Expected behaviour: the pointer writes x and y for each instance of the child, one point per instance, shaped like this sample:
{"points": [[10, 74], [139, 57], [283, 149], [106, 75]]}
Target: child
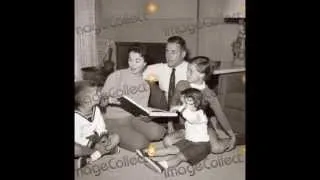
{"points": [[199, 70], [92, 139], [195, 145]]}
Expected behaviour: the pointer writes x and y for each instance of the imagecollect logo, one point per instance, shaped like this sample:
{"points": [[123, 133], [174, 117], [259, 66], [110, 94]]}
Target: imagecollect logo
{"points": [[208, 163], [115, 22], [112, 163], [126, 161], [116, 92]]}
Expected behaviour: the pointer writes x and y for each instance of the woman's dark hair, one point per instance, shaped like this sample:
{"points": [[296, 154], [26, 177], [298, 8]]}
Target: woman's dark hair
{"points": [[195, 94], [203, 65], [79, 87], [141, 49]]}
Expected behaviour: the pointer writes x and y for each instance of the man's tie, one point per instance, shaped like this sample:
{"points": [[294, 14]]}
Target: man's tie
{"points": [[172, 84]]}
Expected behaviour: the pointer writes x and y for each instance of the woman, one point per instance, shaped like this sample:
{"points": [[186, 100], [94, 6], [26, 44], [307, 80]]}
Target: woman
{"points": [[135, 132]]}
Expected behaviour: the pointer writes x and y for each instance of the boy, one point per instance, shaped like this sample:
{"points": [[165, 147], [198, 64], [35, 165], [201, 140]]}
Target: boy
{"points": [[92, 139]]}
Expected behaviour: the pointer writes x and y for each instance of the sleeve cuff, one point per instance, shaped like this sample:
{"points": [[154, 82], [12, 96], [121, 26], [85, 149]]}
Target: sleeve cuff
{"points": [[96, 155]]}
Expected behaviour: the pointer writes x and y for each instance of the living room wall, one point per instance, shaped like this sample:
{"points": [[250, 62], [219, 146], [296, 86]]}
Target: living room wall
{"points": [[213, 41]]}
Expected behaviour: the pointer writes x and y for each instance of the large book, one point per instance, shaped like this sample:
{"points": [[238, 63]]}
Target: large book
{"points": [[136, 109]]}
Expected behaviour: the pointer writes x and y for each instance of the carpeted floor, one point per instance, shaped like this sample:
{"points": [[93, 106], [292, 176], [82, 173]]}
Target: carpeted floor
{"points": [[127, 165]]}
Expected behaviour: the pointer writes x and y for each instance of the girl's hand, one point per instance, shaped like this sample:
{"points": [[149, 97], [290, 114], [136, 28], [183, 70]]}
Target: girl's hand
{"points": [[174, 108], [170, 128], [232, 142]]}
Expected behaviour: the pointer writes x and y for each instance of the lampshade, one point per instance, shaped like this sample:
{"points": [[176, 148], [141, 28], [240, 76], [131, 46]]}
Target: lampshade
{"points": [[152, 7]]}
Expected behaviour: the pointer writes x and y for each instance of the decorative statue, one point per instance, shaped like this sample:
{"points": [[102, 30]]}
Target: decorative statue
{"points": [[238, 46], [108, 65]]}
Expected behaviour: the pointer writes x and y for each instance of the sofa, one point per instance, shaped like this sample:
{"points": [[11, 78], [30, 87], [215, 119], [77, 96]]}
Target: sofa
{"points": [[233, 103]]}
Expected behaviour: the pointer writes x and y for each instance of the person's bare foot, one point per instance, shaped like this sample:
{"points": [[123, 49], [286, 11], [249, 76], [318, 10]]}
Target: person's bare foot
{"points": [[154, 165]]}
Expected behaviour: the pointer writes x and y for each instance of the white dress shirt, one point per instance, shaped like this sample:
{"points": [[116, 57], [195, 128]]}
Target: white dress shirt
{"points": [[200, 87], [195, 125], [162, 73], [84, 128]]}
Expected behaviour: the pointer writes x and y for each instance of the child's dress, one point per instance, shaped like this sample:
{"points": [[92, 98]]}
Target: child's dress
{"points": [[196, 129]]}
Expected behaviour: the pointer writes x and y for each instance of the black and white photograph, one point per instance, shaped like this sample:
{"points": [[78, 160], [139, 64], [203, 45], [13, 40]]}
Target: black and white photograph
{"points": [[159, 89]]}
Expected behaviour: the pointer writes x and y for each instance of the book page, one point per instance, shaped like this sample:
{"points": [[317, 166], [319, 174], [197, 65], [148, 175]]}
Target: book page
{"points": [[136, 104], [150, 109]]}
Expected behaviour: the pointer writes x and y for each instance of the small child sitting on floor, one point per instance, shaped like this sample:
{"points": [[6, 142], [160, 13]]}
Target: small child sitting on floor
{"points": [[195, 145], [92, 139]]}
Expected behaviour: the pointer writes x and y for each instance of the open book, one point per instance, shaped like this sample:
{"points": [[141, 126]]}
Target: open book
{"points": [[136, 109]]}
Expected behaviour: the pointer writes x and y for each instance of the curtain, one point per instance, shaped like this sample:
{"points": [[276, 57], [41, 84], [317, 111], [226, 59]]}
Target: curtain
{"points": [[85, 37]]}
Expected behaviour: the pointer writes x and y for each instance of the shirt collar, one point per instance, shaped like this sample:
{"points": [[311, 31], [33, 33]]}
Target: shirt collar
{"points": [[90, 116], [199, 86], [180, 66]]}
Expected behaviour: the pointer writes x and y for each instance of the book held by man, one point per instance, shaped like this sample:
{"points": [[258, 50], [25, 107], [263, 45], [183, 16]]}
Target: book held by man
{"points": [[136, 109]]}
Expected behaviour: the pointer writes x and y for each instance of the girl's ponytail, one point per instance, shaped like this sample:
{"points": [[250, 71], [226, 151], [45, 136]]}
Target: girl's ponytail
{"points": [[204, 65]]}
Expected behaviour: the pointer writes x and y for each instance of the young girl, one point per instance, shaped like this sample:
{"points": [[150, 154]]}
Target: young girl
{"points": [[199, 70], [195, 145], [92, 139]]}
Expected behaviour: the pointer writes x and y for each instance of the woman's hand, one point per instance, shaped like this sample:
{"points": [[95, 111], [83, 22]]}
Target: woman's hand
{"points": [[104, 101], [144, 118], [113, 100]]}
